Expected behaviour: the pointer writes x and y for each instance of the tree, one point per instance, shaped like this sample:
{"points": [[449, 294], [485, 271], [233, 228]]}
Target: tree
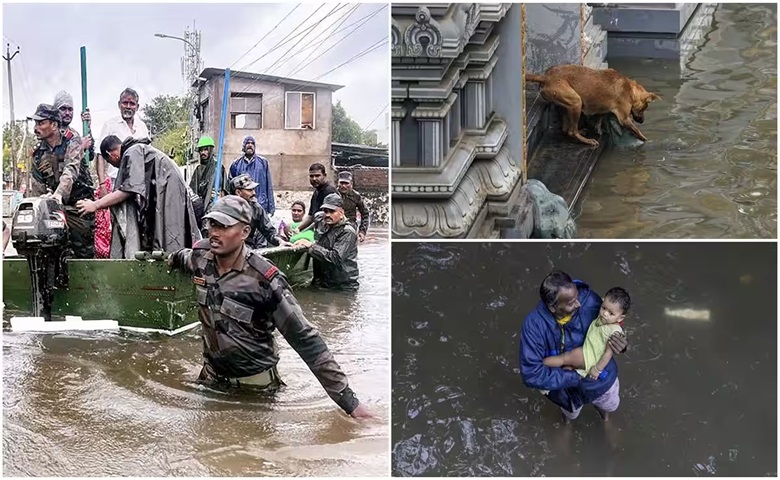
{"points": [[25, 143], [345, 129], [168, 119]]}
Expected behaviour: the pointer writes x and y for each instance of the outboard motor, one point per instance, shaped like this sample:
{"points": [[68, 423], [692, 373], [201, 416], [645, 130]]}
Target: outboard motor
{"points": [[40, 233]]}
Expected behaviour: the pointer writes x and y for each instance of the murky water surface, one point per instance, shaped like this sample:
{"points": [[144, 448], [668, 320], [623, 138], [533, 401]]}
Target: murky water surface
{"points": [[698, 397], [126, 404], [710, 167]]}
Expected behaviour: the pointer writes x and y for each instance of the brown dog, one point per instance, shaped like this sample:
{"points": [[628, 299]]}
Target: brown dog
{"points": [[585, 90]]}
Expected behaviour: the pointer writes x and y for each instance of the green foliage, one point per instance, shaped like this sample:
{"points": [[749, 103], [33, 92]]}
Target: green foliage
{"points": [[167, 117], [347, 130], [26, 148]]}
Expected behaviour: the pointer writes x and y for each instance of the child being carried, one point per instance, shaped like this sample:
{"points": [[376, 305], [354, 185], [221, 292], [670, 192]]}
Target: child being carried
{"points": [[594, 355]]}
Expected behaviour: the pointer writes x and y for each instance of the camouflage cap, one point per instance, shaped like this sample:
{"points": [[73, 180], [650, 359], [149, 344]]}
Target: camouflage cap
{"points": [[345, 177], [243, 182], [46, 112], [332, 202], [230, 210]]}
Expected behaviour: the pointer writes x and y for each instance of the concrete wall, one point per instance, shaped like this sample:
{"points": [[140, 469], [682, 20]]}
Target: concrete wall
{"points": [[289, 152], [368, 179]]}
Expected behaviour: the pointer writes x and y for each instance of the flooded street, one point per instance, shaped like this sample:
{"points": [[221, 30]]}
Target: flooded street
{"points": [[127, 404], [710, 167], [698, 384]]}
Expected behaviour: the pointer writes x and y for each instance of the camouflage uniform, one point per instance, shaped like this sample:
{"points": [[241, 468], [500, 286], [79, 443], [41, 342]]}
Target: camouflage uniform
{"points": [[240, 309], [335, 252], [64, 170], [263, 232], [353, 203]]}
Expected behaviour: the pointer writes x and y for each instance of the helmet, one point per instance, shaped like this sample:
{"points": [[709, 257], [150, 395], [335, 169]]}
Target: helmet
{"points": [[205, 141]]}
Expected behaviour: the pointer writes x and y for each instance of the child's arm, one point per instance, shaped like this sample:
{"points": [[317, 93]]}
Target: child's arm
{"points": [[596, 370]]}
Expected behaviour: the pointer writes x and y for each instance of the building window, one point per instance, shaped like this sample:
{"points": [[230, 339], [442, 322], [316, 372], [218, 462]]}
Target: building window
{"points": [[299, 110], [246, 111]]}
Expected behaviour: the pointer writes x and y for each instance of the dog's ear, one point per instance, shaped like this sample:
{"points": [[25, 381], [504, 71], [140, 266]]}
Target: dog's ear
{"points": [[652, 97]]}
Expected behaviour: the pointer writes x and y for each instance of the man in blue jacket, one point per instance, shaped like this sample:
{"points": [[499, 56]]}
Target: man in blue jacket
{"points": [[559, 324], [258, 169]]}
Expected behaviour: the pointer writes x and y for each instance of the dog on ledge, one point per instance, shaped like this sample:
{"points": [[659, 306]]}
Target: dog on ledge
{"points": [[582, 90]]}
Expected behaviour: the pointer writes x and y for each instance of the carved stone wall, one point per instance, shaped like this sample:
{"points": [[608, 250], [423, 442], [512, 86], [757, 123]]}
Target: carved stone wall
{"points": [[451, 153]]}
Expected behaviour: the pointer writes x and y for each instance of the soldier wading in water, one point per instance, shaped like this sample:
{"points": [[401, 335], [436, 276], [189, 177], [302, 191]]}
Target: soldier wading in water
{"points": [[242, 299]]}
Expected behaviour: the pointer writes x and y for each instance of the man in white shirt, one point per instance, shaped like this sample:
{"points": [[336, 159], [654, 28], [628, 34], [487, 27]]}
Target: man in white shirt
{"points": [[126, 125], [123, 126]]}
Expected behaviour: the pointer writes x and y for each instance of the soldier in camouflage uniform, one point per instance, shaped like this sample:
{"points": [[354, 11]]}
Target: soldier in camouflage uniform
{"points": [[263, 232], [243, 298], [353, 203], [334, 249], [59, 167]]}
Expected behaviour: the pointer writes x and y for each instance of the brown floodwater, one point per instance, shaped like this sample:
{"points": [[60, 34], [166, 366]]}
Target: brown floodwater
{"points": [[127, 404], [709, 169]]}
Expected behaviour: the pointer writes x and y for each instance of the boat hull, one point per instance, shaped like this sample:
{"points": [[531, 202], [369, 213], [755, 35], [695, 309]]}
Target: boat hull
{"points": [[138, 294]]}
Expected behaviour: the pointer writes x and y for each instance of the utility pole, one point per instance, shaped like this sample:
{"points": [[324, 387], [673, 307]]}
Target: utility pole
{"points": [[191, 68], [8, 57]]}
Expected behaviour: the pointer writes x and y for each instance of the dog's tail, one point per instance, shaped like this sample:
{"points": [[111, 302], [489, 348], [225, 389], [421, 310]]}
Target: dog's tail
{"points": [[530, 77]]}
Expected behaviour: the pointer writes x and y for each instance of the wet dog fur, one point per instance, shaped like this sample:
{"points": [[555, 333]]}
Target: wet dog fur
{"points": [[582, 90]]}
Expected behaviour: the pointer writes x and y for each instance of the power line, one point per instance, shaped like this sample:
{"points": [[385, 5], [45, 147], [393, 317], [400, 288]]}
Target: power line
{"points": [[286, 57], [285, 39], [266, 35], [377, 116], [365, 52], [365, 20], [327, 35], [332, 46]]}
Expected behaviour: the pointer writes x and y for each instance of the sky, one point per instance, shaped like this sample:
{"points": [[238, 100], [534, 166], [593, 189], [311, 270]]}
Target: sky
{"points": [[122, 51]]}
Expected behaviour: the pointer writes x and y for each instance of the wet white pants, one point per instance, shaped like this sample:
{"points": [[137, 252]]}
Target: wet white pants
{"points": [[608, 402]]}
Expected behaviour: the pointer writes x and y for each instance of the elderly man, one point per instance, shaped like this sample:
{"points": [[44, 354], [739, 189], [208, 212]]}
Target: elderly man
{"points": [[263, 232], [127, 124], [59, 167], [258, 169], [151, 208], [335, 248], [353, 203], [242, 299], [63, 102], [559, 324]]}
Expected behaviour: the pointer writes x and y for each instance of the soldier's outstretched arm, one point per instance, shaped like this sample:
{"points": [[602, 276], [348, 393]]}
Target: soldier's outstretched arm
{"points": [[306, 340]]}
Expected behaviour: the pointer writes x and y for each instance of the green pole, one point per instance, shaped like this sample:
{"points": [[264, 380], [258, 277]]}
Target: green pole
{"points": [[84, 92]]}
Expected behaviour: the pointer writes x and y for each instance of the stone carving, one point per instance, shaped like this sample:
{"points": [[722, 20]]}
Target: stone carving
{"points": [[424, 27], [551, 214], [471, 20], [395, 33], [455, 216]]}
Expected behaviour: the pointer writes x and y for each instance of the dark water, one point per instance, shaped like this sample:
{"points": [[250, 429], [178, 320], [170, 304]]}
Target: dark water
{"points": [[710, 167], [697, 397], [124, 404]]}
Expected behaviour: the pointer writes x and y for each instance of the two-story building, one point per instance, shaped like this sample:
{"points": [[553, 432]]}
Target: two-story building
{"points": [[290, 120]]}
